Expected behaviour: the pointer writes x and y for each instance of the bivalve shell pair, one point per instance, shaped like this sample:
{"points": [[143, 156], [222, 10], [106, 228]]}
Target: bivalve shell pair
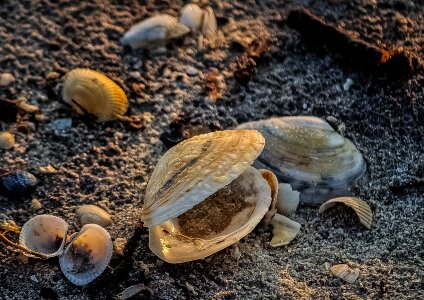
{"points": [[308, 154], [204, 195], [92, 93], [85, 257]]}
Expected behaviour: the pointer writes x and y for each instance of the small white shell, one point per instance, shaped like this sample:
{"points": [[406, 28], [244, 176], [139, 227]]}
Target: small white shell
{"points": [[92, 214], [155, 29], [87, 255], [345, 272], [7, 140], [192, 16], [287, 199], [285, 230], [209, 25], [45, 234]]}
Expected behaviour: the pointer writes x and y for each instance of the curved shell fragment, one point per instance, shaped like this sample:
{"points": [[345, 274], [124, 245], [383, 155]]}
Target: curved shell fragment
{"points": [[209, 25], [345, 272], [287, 200], [285, 230], [361, 208], [91, 92]]}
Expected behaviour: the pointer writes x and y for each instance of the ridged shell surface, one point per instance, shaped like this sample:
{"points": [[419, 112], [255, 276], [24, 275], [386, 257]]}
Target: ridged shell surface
{"points": [[87, 255], [209, 25], [195, 169], [310, 155], [153, 30], [18, 184], [45, 234], [91, 92]]}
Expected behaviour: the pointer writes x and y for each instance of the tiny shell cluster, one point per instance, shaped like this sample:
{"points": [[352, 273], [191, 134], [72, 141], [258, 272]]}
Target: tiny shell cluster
{"points": [[85, 256]]}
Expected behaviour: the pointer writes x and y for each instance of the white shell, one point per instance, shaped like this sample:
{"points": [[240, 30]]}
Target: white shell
{"points": [[192, 16], [92, 214], [87, 255], [209, 25], [285, 230], [155, 29], [45, 234], [345, 272], [287, 199]]}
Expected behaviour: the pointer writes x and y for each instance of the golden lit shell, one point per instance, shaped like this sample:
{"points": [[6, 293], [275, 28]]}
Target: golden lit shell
{"points": [[91, 92], [285, 230], [287, 200], [45, 234], [345, 272], [273, 184], [7, 140], [195, 169], [87, 255], [209, 25], [92, 214], [361, 208], [213, 226]]}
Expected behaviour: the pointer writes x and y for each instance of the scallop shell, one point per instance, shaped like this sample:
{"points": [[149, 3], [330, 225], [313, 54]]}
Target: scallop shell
{"points": [[87, 255], [156, 29], [345, 272], [45, 234], [285, 230], [361, 208], [204, 196], [308, 154], [18, 184], [92, 214], [287, 200], [192, 16], [7, 140], [91, 92], [209, 25]]}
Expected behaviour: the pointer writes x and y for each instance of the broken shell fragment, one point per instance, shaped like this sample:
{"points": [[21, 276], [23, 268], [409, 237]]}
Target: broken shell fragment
{"points": [[285, 230], [209, 25], [192, 16], [18, 184], [7, 140], [345, 272], [92, 214], [204, 196], [44, 234], [361, 208], [287, 200], [308, 154], [87, 255], [93, 93], [153, 30]]}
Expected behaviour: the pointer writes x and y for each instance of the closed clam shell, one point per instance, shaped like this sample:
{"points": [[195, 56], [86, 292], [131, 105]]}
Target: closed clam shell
{"points": [[287, 200], [91, 92], [345, 272], [192, 16], [361, 208], [18, 184], [7, 140], [155, 29], [92, 214], [45, 234], [87, 255], [285, 230], [308, 154]]}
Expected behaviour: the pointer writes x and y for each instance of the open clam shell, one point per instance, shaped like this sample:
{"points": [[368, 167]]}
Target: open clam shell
{"points": [[45, 234], [91, 92], [87, 255], [310, 155], [204, 196]]}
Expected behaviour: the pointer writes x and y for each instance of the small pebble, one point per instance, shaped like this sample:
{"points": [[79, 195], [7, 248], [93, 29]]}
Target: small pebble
{"points": [[35, 203], [34, 278], [53, 75], [191, 71], [7, 140], [6, 79], [347, 84], [47, 170], [119, 245], [340, 231], [62, 126]]}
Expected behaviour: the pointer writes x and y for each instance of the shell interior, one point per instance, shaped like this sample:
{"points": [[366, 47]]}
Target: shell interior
{"points": [[285, 230], [195, 169], [45, 234], [310, 155], [91, 92], [219, 221], [87, 255]]}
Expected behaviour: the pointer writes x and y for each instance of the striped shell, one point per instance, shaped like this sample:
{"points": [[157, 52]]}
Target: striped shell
{"points": [[45, 234], [310, 155], [209, 25], [91, 92], [204, 196], [18, 184], [87, 255], [361, 208], [345, 272]]}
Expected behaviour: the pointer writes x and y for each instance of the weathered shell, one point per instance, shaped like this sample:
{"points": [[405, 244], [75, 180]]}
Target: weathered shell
{"points": [[18, 184], [156, 29], [91, 92], [192, 16], [87, 255], [45, 234], [287, 200], [92, 214], [345, 272], [273, 184], [285, 230], [209, 25], [308, 154], [7, 140], [361, 208]]}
